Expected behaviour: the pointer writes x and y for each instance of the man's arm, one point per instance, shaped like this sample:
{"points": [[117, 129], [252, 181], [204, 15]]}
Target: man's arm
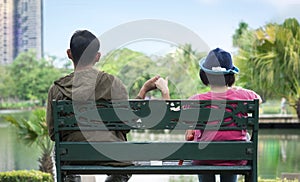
{"points": [[148, 86], [49, 115]]}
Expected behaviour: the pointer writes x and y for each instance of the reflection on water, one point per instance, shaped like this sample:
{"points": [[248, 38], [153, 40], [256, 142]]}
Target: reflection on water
{"points": [[14, 155], [278, 150]]}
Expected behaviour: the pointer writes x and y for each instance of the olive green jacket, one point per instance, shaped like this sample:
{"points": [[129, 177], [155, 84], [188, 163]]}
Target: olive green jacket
{"points": [[88, 84]]}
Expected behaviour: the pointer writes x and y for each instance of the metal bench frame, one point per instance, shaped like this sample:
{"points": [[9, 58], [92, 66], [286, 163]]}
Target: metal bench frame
{"points": [[155, 115]]}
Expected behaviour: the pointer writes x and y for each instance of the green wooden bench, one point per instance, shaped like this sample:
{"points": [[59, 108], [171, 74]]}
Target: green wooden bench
{"points": [[155, 115]]}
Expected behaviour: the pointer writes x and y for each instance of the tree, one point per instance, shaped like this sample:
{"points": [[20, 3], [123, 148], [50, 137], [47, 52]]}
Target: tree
{"points": [[7, 86], [134, 68], [35, 131], [273, 61], [238, 38], [33, 77], [182, 67]]}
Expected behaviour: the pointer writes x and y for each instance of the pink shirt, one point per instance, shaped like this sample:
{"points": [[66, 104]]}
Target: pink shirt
{"points": [[200, 135]]}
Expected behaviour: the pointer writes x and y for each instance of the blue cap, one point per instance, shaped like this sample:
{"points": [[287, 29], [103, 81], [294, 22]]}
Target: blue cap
{"points": [[218, 62]]}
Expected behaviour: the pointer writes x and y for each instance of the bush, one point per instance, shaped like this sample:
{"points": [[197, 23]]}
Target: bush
{"points": [[25, 176]]}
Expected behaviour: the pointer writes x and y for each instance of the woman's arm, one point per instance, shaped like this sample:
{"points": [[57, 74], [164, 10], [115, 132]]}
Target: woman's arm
{"points": [[162, 85]]}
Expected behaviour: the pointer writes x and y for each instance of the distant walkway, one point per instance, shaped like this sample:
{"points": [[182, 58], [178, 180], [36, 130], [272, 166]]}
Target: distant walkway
{"points": [[143, 178], [278, 118], [270, 121]]}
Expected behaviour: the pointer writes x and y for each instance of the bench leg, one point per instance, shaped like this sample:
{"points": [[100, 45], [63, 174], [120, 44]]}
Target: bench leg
{"points": [[59, 176], [249, 177]]}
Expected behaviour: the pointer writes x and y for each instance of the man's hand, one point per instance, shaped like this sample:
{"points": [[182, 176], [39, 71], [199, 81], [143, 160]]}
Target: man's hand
{"points": [[148, 86]]}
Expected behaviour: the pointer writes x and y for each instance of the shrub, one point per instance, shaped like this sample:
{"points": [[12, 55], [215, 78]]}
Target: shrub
{"points": [[25, 176]]}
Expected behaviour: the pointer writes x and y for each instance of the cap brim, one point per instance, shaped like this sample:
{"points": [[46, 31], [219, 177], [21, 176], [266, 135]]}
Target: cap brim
{"points": [[235, 69]]}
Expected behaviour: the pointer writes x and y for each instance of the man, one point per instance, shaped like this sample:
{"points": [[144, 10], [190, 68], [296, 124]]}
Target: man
{"points": [[88, 83]]}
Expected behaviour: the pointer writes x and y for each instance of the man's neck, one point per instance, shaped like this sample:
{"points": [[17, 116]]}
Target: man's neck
{"points": [[80, 68]]}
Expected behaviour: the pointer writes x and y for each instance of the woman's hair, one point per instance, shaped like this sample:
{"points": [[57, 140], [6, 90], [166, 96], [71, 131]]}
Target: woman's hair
{"points": [[217, 80]]}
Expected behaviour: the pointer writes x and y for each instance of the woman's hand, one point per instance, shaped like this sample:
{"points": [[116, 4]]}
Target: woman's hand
{"points": [[162, 85], [189, 135]]}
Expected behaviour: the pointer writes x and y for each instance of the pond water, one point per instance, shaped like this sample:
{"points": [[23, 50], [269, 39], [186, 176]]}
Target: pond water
{"points": [[278, 150], [14, 155]]}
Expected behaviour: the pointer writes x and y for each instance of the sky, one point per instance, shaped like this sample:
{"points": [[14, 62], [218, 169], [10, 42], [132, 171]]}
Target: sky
{"points": [[213, 21]]}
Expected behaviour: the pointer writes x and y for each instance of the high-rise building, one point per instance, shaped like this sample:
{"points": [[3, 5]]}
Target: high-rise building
{"points": [[21, 28]]}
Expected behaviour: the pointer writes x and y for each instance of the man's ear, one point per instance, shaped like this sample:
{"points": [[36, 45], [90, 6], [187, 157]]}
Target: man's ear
{"points": [[97, 57], [69, 54]]}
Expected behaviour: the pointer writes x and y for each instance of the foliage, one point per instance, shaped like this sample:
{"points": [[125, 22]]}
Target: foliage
{"points": [[35, 131], [183, 69], [25, 176], [134, 68], [129, 66], [271, 60], [32, 77], [17, 105], [7, 86]]}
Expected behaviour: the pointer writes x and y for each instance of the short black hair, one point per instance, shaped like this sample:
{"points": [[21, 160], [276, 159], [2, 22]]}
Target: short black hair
{"points": [[217, 80], [80, 41]]}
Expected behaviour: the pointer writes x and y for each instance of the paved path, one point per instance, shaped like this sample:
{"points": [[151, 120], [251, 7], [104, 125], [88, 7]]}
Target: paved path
{"points": [[136, 178]]}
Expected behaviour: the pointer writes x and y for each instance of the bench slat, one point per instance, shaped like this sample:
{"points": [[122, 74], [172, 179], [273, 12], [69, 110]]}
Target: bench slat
{"points": [[155, 169], [124, 151], [154, 114]]}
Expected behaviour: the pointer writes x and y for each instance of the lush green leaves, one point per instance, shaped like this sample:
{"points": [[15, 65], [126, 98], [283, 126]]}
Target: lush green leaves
{"points": [[270, 61], [32, 77], [7, 85], [35, 131], [25, 176], [134, 68]]}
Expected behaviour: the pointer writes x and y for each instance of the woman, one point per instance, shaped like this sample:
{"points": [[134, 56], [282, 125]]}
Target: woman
{"points": [[218, 72]]}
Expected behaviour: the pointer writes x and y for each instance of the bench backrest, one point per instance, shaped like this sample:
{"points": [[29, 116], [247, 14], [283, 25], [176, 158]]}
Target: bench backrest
{"points": [[157, 115]]}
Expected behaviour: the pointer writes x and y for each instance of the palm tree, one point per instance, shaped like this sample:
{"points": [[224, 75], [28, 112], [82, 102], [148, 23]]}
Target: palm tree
{"points": [[273, 60], [35, 131]]}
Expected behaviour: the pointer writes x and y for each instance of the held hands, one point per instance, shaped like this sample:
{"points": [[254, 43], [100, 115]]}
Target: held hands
{"points": [[148, 86], [154, 83]]}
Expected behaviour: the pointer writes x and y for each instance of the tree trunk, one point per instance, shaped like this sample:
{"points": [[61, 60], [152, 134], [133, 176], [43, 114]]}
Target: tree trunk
{"points": [[298, 108], [46, 163]]}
